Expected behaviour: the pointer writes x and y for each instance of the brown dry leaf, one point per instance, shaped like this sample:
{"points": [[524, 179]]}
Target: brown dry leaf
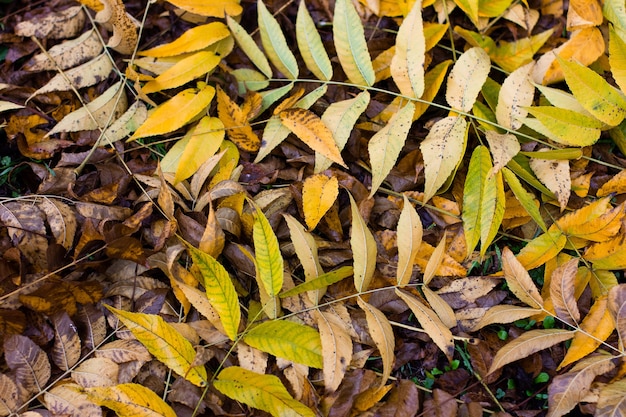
{"points": [[443, 309], [121, 351], [69, 399], [62, 221], [520, 283], [370, 397], [441, 404], [96, 372], [56, 25], [213, 238], [434, 261], [611, 401], [336, 348], [503, 314], [562, 284], [236, 123], [251, 358], [409, 237], [28, 362], [10, 399], [27, 230], [66, 350], [124, 39], [617, 308], [382, 334]]}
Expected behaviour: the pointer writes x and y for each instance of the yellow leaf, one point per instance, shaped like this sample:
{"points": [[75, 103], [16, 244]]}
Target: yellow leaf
{"points": [[434, 262], [431, 323], [520, 283], [409, 238], [609, 254], [467, 77], [269, 260], [407, 64], [322, 281], [491, 210], [183, 71], [165, 343], [287, 340], [596, 222], [617, 58], [447, 268], [442, 150], [526, 199], [595, 328], [236, 122], [541, 249], [336, 348], [363, 249], [206, 138], [382, 334], [192, 40], [176, 112], [385, 146], [474, 194], [319, 193], [584, 13], [516, 93], [440, 307], [617, 185], [264, 392], [556, 176], [313, 132], [213, 8], [130, 400]]}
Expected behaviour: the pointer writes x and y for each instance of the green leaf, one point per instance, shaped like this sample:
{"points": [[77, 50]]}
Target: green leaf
{"points": [[249, 47], [275, 44], [363, 249], [479, 166], [350, 44], [130, 400], [564, 126], [220, 290], [385, 146], [491, 210], [264, 392], [526, 199], [269, 260], [310, 44], [270, 97], [165, 343], [287, 340], [321, 281], [596, 95]]}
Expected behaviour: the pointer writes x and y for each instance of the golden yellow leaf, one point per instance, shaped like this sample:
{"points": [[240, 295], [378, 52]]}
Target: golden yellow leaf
{"points": [[185, 70], [236, 123], [204, 140], [609, 254], [440, 307], [519, 281], [584, 13], [447, 268], [617, 185], [176, 112], [319, 193], [307, 126], [596, 222], [213, 8], [130, 400], [382, 334], [434, 262], [192, 40]]}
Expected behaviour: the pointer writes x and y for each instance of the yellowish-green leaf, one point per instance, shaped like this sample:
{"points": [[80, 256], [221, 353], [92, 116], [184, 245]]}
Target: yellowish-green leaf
{"points": [[176, 112], [526, 199], [431, 323], [213, 8], [126, 124], [519, 281], [561, 99], [204, 141], [363, 249], [528, 343], [165, 343], [350, 44], [556, 176], [565, 154], [313, 132], [310, 45], [564, 126], [617, 58], [467, 77], [503, 314], [596, 95], [521, 167], [320, 282], [407, 64], [192, 40], [340, 118], [493, 8], [183, 71], [319, 193], [130, 400], [269, 260], [382, 334], [385, 146], [272, 96], [491, 210], [220, 290], [470, 8], [287, 340], [275, 44], [336, 348], [264, 392], [473, 196], [541, 249], [442, 150], [249, 47], [516, 93], [409, 237]]}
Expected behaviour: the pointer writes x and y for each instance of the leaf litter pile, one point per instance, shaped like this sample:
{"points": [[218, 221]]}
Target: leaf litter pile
{"points": [[313, 208]]}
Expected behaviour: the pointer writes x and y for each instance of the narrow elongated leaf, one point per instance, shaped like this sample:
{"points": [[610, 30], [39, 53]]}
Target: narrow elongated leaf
{"points": [[382, 334], [313, 132], [269, 260], [562, 285], [319, 193], [185, 70], [385, 146], [176, 112], [336, 348], [564, 126], [264, 392], [519, 281], [275, 44], [192, 40], [130, 400], [214, 8], [350, 44], [617, 308], [249, 47], [596, 95], [322, 281], [467, 77], [310, 45], [306, 250], [431, 323], [288, 340], [7, 105], [126, 124], [340, 118], [165, 343], [528, 343], [516, 93], [524, 197], [556, 176], [363, 249], [220, 290], [503, 314], [479, 167], [442, 150], [491, 210], [440, 307], [434, 261], [617, 58], [409, 237], [407, 64]]}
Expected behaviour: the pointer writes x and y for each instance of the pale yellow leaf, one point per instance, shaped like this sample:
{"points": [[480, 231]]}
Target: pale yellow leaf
{"points": [[519, 281], [67, 54], [382, 334], [319, 193], [407, 64], [435, 260], [126, 124], [516, 93], [440, 307], [336, 348], [363, 249], [556, 176], [85, 75], [503, 148], [466, 78], [7, 105], [503, 314], [409, 238]]}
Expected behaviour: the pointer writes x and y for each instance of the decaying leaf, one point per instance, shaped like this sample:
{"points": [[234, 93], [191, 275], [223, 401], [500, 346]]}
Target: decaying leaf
{"points": [[556, 176], [467, 77], [124, 39], [56, 25]]}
